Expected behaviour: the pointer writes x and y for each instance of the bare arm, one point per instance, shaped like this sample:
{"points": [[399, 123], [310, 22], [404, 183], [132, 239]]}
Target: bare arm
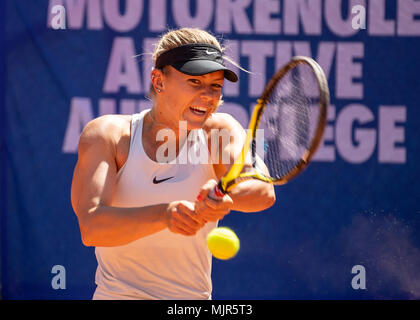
{"points": [[91, 194]]}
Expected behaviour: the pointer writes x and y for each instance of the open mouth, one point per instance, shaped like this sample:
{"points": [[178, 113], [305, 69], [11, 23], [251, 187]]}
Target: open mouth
{"points": [[200, 111]]}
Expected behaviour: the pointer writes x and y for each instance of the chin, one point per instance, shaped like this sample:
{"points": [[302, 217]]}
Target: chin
{"points": [[194, 122]]}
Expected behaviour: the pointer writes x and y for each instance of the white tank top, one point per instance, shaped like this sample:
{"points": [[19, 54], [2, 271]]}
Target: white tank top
{"points": [[163, 265]]}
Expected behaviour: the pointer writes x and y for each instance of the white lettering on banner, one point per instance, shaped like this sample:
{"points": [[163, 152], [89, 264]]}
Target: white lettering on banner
{"points": [[354, 150], [203, 14], [258, 55], [59, 19], [378, 25], [231, 16], [390, 133], [326, 152], [259, 51], [263, 17], [157, 22], [122, 69], [347, 70], [232, 51], [324, 57], [126, 106], [305, 13], [76, 11], [263, 21], [351, 132], [80, 114], [107, 106], [334, 20], [365, 138], [283, 53], [407, 10], [123, 22], [359, 20]]}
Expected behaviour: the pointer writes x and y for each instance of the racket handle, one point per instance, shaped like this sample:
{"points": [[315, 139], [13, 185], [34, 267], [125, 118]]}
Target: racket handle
{"points": [[216, 193]]}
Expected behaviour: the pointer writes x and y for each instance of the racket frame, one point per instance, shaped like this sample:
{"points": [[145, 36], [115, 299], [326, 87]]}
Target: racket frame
{"points": [[234, 175]]}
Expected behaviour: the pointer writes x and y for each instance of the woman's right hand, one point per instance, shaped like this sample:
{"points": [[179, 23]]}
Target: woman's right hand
{"points": [[180, 217]]}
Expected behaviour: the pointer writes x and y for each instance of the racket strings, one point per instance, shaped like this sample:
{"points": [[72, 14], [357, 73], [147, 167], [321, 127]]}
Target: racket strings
{"points": [[288, 121]]}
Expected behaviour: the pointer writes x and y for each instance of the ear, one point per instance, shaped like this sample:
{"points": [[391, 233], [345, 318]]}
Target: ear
{"points": [[157, 80]]}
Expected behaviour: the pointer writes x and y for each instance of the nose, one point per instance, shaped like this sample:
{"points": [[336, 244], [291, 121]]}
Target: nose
{"points": [[208, 95]]}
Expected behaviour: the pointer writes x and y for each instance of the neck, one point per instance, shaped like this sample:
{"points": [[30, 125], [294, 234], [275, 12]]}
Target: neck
{"points": [[154, 121]]}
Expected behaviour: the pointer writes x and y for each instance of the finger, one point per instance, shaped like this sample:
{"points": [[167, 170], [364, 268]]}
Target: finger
{"points": [[193, 213], [186, 207], [215, 215], [183, 222], [200, 207], [173, 225], [189, 211], [206, 210], [225, 202], [187, 220], [205, 189], [211, 212], [214, 218]]}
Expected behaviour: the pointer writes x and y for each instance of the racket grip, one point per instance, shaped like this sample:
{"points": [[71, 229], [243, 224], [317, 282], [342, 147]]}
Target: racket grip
{"points": [[216, 193]]}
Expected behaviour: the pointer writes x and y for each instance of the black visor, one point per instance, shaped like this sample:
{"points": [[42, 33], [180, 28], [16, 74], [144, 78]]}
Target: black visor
{"points": [[195, 59]]}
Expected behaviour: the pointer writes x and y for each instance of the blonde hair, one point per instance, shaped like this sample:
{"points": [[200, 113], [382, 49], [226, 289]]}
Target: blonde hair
{"points": [[175, 38], [179, 37]]}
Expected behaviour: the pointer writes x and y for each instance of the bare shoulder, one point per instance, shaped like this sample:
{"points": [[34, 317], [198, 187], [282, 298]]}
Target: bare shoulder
{"points": [[106, 126], [108, 130]]}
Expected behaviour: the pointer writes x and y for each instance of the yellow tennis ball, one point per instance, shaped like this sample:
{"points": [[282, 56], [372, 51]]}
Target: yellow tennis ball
{"points": [[223, 243]]}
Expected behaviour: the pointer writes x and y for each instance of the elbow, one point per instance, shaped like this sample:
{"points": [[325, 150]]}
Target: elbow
{"points": [[86, 236], [86, 233], [87, 240], [270, 198], [266, 199]]}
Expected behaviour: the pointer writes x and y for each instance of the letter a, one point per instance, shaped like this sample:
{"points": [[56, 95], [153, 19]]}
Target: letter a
{"points": [[359, 20], [59, 20], [359, 280], [58, 281]]}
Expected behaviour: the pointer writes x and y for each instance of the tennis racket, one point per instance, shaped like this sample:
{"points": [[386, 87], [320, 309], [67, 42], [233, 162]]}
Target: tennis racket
{"points": [[292, 113]]}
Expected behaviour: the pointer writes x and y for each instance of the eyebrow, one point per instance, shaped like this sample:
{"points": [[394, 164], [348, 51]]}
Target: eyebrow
{"points": [[218, 79]]}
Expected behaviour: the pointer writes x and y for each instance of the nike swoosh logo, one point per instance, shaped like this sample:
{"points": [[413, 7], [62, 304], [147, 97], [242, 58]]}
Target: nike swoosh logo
{"points": [[211, 52], [155, 181]]}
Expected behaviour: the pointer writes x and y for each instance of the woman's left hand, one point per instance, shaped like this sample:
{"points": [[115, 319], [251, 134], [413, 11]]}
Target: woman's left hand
{"points": [[209, 209]]}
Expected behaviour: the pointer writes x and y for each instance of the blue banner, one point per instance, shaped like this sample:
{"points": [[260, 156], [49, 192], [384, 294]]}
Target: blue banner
{"points": [[344, 229]]}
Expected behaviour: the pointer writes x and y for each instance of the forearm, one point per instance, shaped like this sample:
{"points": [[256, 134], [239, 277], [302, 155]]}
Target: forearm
{"points": [[252, 196], [105, 226]]}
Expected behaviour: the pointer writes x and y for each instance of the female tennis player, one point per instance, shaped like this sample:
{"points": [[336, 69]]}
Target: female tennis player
{"points": [[148, 219]]}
